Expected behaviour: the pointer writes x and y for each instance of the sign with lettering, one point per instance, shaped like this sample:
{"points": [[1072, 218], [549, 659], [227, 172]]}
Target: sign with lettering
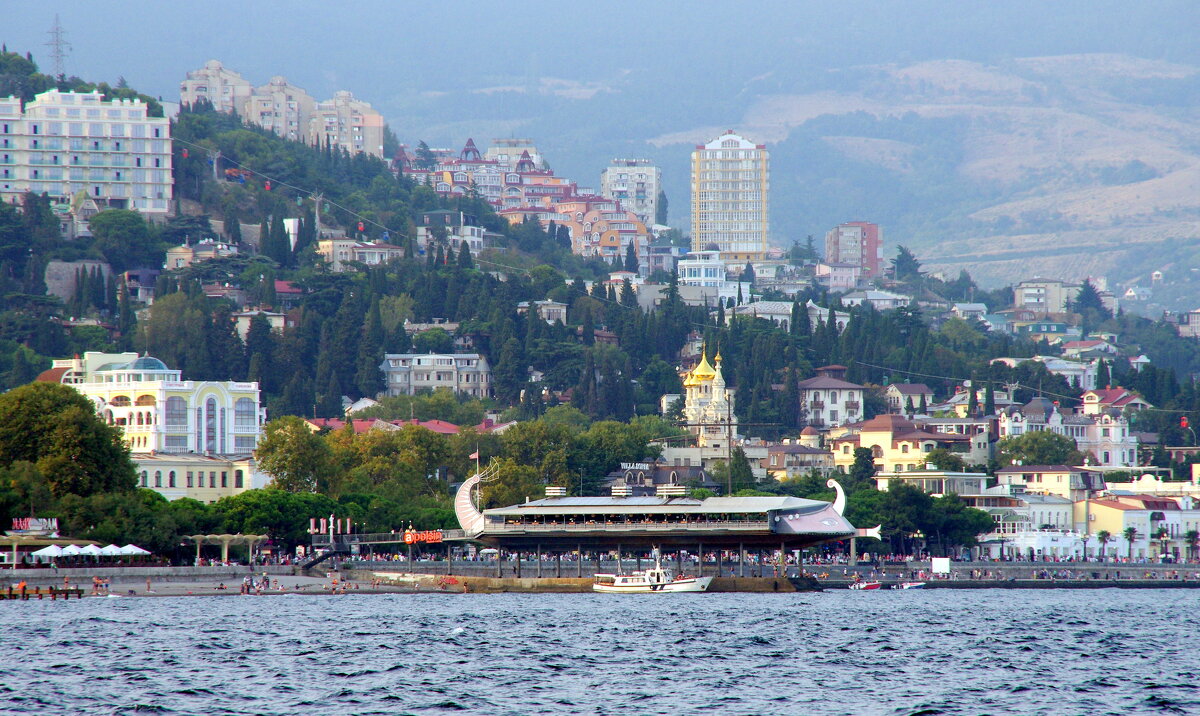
{"points": [[412, 536], [35, 524], [636, 466]]}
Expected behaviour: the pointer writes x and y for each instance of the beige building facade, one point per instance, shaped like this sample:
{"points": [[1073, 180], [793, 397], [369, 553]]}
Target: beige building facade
{"points": [[730, 191]]}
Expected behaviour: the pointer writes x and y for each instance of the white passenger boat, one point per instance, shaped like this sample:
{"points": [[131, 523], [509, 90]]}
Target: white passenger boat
{"points": [[657, 579]]}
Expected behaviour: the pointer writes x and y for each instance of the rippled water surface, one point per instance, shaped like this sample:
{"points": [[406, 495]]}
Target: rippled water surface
{"points": [[954, 652]]}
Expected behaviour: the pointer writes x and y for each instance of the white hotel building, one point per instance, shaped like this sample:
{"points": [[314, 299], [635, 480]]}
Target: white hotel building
{"points": [[63, 143], [188, 438]]}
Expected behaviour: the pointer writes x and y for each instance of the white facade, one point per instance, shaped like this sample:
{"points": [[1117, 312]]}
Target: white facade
{"points": [[730, 191], [1106, 438], [635, 184], [830, 402], [408, 373], [158, 411], [70, 142], [706, 269]]}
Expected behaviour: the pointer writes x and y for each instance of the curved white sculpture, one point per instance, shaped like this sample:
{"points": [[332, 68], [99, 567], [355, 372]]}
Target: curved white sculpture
{"points": [[872, 532], [469, 516], [839, 502]]}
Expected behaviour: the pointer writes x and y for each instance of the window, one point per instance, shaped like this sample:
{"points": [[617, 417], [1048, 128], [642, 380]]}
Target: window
{"points": [[171, 479], [224, 479], [212, 479], [158, 478], [145, 479], [244, 414], [189, 478], [238, 480], [176, 413], [210, 428]]}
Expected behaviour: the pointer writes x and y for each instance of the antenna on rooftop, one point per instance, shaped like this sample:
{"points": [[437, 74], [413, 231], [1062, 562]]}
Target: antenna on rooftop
{"points": [[58, 47]]}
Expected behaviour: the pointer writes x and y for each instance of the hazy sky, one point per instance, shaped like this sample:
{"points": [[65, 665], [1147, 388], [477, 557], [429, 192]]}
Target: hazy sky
{"points": [[587, 81]]}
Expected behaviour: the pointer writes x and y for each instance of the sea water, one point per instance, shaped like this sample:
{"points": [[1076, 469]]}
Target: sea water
{"points": [[1104, 651]]}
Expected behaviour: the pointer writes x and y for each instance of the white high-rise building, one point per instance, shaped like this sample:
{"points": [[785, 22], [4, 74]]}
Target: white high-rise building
{"points": [[226, 89], [634, 183], [64, 143], [730, 187]]}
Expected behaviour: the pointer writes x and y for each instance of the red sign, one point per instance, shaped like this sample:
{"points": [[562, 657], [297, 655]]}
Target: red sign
{"points": [[412, 536]]}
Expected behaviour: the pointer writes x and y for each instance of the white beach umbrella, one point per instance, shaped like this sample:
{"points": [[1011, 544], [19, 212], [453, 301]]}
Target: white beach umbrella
{"points": [[51, 551], [72, 550], [110, 551], [133, 549], [91, 550]]}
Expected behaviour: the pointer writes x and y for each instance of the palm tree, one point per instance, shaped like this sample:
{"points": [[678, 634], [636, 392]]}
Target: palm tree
{"points": [[1104, 536], [1192, 537], [1130, 534]]}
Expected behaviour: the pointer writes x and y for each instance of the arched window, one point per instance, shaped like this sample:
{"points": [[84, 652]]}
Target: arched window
{"points": [[244, 417], [176, 413], [210, 426], [119, 401], [171, 479], [146, 400], [876, 451], [238, 480], [158, 478], [145, 479]]}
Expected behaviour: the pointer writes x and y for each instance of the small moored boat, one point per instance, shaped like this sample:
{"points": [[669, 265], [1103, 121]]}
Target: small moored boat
{"points": [[657, 579], [909, 585], [865, 585]]}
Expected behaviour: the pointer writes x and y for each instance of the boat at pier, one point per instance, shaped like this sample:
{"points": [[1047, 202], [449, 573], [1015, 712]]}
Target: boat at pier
{"points": [[863, 586], [909, 585], [657, 579]]}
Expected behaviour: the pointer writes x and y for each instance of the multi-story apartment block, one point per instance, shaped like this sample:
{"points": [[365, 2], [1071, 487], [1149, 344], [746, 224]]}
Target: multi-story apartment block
{"points": [[64, 143], [635, 184], [1044, 295], [409, 373], [288, 110], [348, 123], [512, 152], [281, 107], [225, 89], [730, 188], [858, 243]]}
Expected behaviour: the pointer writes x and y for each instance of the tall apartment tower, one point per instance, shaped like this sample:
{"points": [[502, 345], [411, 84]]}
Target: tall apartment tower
{"points": [[730, 186], [226, 89], [64, 143], [281, 107], [634, 183], [856, 242], [348, 123]]}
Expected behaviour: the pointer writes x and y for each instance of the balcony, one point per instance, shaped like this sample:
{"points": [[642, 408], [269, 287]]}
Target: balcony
{"points": [[852, 406], [816, 405]]}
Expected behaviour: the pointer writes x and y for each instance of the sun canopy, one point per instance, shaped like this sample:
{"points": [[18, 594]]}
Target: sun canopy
{"points": [[72, 550], [92, 551], [51, 551], [133, 549], [110, 551]]}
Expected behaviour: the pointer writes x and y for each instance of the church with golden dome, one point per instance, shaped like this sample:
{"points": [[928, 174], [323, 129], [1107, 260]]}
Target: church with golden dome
{"points": [[708, 404]]}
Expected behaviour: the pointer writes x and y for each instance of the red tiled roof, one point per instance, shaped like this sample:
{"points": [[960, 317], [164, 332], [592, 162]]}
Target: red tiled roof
{"points": [[52, 375], [286, 287]]}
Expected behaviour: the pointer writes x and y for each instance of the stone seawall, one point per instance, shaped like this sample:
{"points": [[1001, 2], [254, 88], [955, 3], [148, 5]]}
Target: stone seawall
{"points": [[82, 576], [495, 585]]}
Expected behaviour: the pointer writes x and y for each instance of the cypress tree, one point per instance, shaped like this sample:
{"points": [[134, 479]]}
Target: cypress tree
{"points": [[464, 256], [989, 400]]}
